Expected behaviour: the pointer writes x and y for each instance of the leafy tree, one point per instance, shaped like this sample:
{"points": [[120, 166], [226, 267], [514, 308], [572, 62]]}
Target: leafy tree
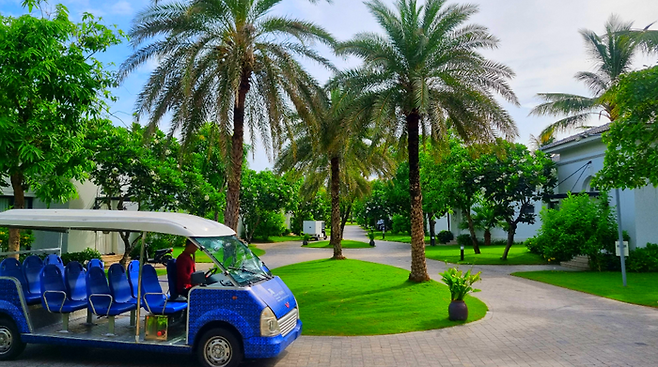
{"points": [[512, 179], [331, 149], [631, 157], [485, 219], [52, 89], [424, 74], [613, 53], [264, 196], [435, 203], [377, 206], [229, 62]]}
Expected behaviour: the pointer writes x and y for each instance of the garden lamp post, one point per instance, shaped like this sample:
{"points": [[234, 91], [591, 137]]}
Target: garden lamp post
{"points": [[432, 241], [461, 251], [621, 239], [384, 231]]}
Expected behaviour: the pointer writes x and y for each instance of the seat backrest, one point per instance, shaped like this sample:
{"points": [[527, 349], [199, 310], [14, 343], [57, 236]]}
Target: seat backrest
{"points": [[96, 282], [171, 278], [10, 267], [55, 260], [75, 279], [32, 266], [150, 283], [133, 275], [51, 279], [95, 262], [119, 285]]}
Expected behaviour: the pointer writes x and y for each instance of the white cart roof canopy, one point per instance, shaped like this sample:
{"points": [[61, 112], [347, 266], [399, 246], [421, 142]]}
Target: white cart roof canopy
{"points": [[114, 220]]}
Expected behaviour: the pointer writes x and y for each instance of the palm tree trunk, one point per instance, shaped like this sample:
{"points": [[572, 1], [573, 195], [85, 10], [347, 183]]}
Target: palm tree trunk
{"points": [[418, 263], [232, 213], [487, 237], [335, 210], [19, 203], [471, 229], [510, 238]]}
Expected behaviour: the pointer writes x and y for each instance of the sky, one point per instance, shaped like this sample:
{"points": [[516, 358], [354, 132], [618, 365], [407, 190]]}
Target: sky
{"points": [[539, 40]]}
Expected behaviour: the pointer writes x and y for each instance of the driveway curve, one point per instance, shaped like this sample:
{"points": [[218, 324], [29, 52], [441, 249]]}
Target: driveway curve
{"points": [[528, 323]]}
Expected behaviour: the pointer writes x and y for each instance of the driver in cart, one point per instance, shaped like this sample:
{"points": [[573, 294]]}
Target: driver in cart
{"points": [[184, 268]]}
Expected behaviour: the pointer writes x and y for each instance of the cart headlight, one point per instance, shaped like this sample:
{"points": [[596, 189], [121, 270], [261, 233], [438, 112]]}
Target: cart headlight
{"points": [[269, 326], [297, 305]]}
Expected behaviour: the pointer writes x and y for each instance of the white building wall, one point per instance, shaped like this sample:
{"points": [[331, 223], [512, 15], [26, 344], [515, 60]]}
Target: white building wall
{"points": [[646, 220]]}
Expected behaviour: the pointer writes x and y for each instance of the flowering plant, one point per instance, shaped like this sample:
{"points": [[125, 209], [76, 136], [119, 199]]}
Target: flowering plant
{"points": [[460, 284]]}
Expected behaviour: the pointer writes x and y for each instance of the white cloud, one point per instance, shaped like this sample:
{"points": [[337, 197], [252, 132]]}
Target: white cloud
{"points": [[122, 8]]}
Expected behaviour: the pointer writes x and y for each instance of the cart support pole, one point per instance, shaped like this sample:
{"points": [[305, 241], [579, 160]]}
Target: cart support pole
{"points": [[139, 286]]}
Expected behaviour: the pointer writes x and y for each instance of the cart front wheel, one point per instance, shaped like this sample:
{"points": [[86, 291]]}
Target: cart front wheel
{"points": [[10, 340], [219, 348]]}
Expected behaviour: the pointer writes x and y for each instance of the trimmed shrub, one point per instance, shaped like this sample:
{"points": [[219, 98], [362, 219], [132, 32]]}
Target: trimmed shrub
{"points": [[445, 237], [82, 257], [464, 240], [271, 224], [401, 224], [581, 226], [643, 260]]}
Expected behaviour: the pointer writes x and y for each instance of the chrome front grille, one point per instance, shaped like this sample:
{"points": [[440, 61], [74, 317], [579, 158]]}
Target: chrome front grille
{"points": [[288, 322]]}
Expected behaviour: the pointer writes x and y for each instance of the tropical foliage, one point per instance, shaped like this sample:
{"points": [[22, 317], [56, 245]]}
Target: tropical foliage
{"points": [[631, 157], [423, 74], [52, 90], [229, 62], [460, 284], [613, 52]]}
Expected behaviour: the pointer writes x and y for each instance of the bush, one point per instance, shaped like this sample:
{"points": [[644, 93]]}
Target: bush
{"points": [[445, 237], [643, 260], [464, 240], [82, 257], [401, 224], [271, 224], [581, 226], [27, 238]]}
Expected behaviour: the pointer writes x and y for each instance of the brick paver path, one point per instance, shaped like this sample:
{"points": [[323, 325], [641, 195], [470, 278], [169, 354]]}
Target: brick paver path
{"points": [[529, 324]]}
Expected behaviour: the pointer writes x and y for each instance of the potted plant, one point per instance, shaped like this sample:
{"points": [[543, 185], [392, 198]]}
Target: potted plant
{"points": [[371, 235], [460, 285], [305, 238]]}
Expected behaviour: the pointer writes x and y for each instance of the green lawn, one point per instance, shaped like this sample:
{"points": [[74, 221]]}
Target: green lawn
{"points": [[641, 287], [277, 239], [344, 243], [405, 238], [490, 255], [351, 297], [203, 258]]}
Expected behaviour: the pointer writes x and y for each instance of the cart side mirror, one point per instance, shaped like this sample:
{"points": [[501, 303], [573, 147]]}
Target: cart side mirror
{"points": [[198, 277]]}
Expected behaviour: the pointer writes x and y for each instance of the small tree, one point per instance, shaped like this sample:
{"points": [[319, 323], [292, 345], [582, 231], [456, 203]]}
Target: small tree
{"points": [[512, 179], [51, 91]]}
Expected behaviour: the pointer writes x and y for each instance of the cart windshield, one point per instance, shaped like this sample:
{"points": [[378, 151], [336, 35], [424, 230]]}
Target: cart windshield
{"points": [[236, 258]]}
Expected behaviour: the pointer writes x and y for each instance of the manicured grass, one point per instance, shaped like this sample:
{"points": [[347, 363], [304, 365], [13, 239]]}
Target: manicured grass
{"points": [[203, 258], [400, 237], [344, 244], [641, 287], [490, 255], [351, 297], [277, 239]]}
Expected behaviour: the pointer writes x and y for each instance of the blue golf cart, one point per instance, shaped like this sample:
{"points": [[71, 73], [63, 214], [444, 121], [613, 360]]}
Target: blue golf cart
{"points": [[235, 310]]}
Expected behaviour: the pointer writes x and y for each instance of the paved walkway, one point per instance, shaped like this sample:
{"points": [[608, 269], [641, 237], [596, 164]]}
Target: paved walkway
{"points": [[529, 324]]}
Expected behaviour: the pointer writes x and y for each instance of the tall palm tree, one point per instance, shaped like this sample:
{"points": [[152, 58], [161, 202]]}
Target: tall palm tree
{"points": [[425, 74], [332, 149], [613, 52], [229, 62]]}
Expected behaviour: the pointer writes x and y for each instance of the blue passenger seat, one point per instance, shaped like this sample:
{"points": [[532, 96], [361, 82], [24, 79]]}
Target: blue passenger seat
{"points": [[119, 285], [133, 275], [54, 296], [10, 267], [100, 297], [32, 266], [171, 279], [155, 300], [55, 260], [95, 262], [76, 281]]}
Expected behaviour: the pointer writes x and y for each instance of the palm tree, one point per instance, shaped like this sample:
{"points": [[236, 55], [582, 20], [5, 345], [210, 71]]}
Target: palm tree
{"points": [[225, 61], [332, 149], [613, 52], [424, 75]]}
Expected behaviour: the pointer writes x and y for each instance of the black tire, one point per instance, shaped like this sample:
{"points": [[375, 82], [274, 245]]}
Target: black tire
{"points": [[165, 259], [11, 345], [219, 348]]}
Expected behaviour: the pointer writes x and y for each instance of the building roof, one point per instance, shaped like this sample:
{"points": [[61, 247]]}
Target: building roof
{"points": [[114, 220], [576, 137]]}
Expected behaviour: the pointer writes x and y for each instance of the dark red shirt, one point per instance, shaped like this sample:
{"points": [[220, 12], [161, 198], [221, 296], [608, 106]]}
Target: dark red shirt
{"points": [[184, 269]]}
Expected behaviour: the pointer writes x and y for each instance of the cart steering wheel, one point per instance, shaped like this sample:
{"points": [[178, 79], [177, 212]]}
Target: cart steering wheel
{"points": [[211, 272]]}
